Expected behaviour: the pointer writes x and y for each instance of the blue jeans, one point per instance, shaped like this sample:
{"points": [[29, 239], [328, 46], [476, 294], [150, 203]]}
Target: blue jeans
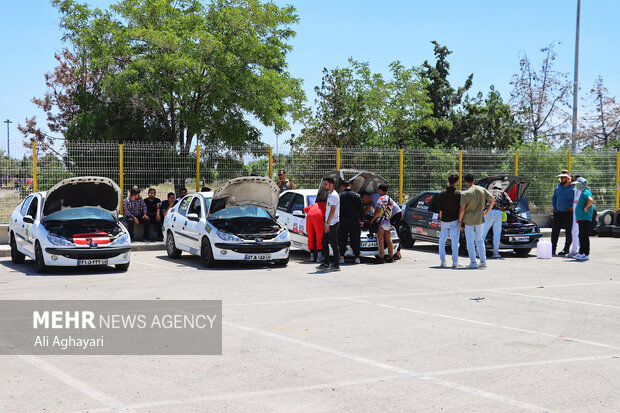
{"points": [[493, 220], [451, 227], [473, 234]]}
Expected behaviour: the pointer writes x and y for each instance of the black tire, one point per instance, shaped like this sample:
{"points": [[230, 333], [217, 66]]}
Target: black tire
{"points": [[606, 218], [615, 231], [122, 267], [617, 218], [39, 262], [282, 263], [404, 233], [171, 249], [206, 253], [16, 256], [522, 252], [606, 231]]}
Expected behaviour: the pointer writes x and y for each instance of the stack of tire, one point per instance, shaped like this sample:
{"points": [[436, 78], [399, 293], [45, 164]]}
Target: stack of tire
{"points": [[609, 224]]}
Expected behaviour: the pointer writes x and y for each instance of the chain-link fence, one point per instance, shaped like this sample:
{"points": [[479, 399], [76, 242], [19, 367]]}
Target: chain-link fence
{"points": [[167, 169]]}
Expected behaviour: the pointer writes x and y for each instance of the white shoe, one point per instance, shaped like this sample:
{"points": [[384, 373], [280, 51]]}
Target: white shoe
{"points": [[582, 257], [444, 265], [457, 265], [473, 265], [357, 260], [483, 264], [572, 254]]}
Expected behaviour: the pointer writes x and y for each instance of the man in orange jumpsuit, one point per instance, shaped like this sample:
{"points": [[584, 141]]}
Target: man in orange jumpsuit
{"points": [[315, 222]]}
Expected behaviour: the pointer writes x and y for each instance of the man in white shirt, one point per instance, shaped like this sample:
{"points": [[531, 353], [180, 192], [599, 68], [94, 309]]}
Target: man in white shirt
{"points": [[332, 223]]}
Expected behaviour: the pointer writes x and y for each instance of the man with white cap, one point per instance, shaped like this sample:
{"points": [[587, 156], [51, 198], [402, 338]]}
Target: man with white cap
{"points": [[562, 212]]}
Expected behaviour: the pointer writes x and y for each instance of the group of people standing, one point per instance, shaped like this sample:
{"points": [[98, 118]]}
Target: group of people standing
{"points": [[339, 219]]}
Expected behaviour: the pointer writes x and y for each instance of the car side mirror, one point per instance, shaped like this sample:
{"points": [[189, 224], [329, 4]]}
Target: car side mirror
{"points": [[193, 217], [299, 214], [28, 219]]}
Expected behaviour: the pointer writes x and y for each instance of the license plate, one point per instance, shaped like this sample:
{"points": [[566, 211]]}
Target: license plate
{"points": [[93, 262], [519, 239], [369, 244], [258, 257]]}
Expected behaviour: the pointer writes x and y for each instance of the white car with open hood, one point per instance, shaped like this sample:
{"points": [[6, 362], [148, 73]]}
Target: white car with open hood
{"points": [[236, 222], [75, 223]]}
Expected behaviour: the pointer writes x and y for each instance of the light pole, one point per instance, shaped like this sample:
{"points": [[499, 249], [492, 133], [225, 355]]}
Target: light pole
{"points": [[575, 81], [8, 148]]}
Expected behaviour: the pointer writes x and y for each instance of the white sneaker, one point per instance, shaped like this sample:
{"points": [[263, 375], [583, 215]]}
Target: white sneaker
{"points": [[444, 265], [473, 265], [483, 264], [582, 257], [357, 260], [457, 265]]}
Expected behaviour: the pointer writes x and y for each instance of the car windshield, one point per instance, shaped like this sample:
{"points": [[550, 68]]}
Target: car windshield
{"points": [[83, 213], [240, 212]]}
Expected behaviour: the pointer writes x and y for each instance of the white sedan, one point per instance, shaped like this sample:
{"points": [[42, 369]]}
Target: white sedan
{"points": [[75, 223], [237, 222]]}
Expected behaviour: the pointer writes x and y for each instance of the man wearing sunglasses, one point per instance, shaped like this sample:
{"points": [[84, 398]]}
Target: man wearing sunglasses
{"points": [[284, 183]]}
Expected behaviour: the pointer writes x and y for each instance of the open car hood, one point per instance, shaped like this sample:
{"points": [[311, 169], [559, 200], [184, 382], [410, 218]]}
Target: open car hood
{"points": [[248, 190], [361, 181], [84, 191], [514, 186]]}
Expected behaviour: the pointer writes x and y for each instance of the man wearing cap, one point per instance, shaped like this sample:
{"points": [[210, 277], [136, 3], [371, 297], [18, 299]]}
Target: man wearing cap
{"points": [[562, 212]]}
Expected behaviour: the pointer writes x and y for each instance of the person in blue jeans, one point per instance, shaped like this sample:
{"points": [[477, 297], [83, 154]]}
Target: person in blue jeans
{"points": [[494, 217], [472, 213], [449, 202]]}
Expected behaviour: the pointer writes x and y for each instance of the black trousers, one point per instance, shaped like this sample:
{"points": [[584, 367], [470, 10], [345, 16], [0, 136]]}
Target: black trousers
{"points": [[154, 223], [584, 237], [395, 220], [330, 239], [349, 230], [130, 223], [562, 219]]}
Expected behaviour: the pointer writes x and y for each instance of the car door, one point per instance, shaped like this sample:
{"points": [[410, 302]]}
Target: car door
{"points": [[195, 228], [284, 203], [19, 226], [299, 235], [30, 229], [179, 224]]}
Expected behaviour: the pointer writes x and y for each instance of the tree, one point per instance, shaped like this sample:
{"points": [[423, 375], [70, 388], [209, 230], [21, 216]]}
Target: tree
{"points": [[485, 123], [602, 123], [191, 70], [443, 96], [540, 99]]}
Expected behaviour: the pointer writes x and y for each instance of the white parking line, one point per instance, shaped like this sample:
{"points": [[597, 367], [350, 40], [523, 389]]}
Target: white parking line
{"points": [[84, 388], [486, 324], [303, 300], [389, 367], [542, 297]]}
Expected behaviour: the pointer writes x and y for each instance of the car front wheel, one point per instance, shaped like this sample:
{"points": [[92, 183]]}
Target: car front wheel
{"points": [[171, 249], [38, 259], [206, 253], [16, 256]]}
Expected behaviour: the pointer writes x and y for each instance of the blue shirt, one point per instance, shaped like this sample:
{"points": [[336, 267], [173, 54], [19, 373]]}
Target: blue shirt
{"points": [[563, 197], [580, 215]]}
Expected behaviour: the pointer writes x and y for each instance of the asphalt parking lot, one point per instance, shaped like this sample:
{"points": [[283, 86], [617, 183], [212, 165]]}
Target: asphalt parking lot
{"points": [[522, 335]]}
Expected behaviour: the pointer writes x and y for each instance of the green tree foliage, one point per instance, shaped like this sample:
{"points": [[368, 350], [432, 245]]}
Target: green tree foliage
{"points": [[185, 69], [443, 96], [356, 107], [484, 123]]}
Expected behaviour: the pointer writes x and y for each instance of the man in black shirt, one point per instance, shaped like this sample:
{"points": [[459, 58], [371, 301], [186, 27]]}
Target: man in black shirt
{"points": [[449, 203], [351, 221], [153, 205]]}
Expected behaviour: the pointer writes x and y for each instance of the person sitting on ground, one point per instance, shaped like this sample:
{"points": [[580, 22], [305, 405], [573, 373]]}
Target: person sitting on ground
{"points": [[167, 204], [182, 193], [153, 205], [134, 210]]}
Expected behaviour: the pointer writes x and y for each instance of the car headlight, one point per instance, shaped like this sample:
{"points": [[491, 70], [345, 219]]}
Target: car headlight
{"points": [[60, 241], [283, 236], [123, 239], [226, 236]]}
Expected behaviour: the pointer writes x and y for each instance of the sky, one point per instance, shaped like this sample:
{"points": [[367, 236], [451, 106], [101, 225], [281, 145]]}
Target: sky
{"points": [[487, 38]]}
